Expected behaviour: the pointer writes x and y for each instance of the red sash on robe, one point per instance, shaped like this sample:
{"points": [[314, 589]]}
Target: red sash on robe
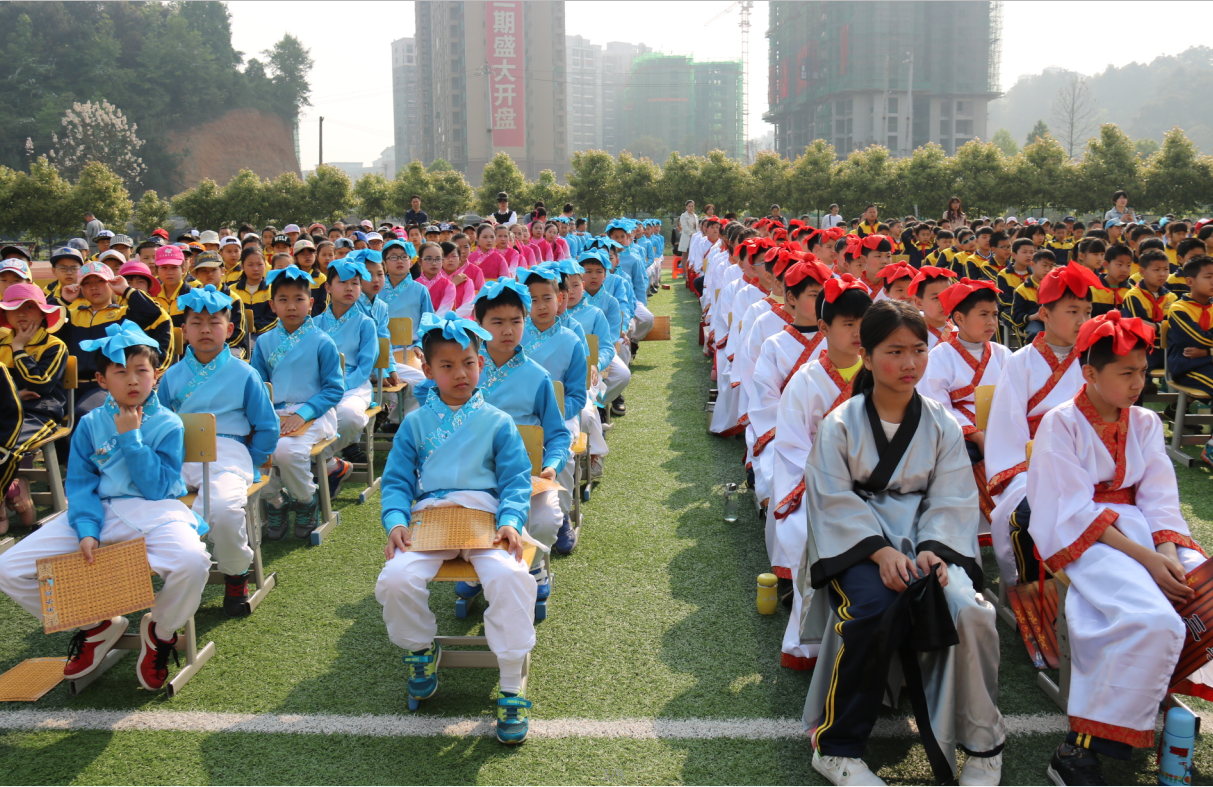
{"points": [[794, 498]]}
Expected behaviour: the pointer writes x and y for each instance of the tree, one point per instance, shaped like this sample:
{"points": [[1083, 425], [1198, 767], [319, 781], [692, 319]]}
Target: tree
{"points": [[1146, 147], [681, 180], [546, 188], [1176, 179], [42, 203], [201, 206], [439, 165], [866, 176], [100, 192], [1110, 165], [328, 194], [1074, 114], [285, 199], [371, 195], [151, 212], [97, 132], [928, 181], [1005, 142], [636, 185], [500, 174], [450, 195], [1039, 176], [290, 63], [591, 182], [1039, 131], [244, 198], [811, 177], [768, 182], [410, 180], [979, 172], [728, 179]]}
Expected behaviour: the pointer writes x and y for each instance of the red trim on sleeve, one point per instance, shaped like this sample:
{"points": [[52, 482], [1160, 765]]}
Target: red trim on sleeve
{"points": [[797, 662], [1068, 554], [762, 441], [1171, 537], [999, 482]]}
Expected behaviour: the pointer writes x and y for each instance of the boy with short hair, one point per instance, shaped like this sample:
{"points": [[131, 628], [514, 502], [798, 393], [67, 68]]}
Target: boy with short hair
{"points": [[579, 311], [632, 265], [1025, 305], [1034, 380], [469, 451], [596, 295], [303, 365], [1190, 333], [1106, 509], [65, 265], [404, 297], [1150, 300], [208, 270], [1185, 250], [123, 481], [210, 379], [1115, 278]]}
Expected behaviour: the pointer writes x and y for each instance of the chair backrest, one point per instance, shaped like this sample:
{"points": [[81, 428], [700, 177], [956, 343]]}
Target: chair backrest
{"points": [[342, 362], [532, 438], [558, 387], [200, 437], [592, 340], [384, 361], [401, 330], [70, 374], [1028, 452], [269, 388], [178, 343], [982, 396]]}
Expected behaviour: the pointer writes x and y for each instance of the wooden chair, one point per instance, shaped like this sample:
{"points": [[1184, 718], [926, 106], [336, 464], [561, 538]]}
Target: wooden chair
{"points": [[401, 334], [365, 471], [201, 446], [1179, 436], [49, 473], [178, 348], [328, 518], [580, 450], [983, 396]]}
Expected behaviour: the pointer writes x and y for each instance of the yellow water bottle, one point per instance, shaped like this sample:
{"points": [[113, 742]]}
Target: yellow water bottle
{"points": [[768, 597]]}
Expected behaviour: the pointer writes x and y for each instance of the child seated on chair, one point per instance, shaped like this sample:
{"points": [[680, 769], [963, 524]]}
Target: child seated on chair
{"points": [[890, 499], [1150, 300], [924, 291], [37, 360], [457, 449], [254, 291], [558, 350], [592, 320], [1034, 380], [123, 481], [208, 270], [304, 366], [355, 335], [210, 379], [1105, 507], [1025, 303], [814, 392], [593, 280], [1190, 334], [404, 297]]}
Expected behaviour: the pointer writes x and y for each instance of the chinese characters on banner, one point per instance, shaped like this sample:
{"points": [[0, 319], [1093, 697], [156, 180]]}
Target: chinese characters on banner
{"points": [[507, 95]]}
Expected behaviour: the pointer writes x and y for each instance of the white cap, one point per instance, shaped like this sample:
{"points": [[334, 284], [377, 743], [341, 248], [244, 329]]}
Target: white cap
{"points": [[17, 266], [370, 236], [229, 240], [291, 228], [209, 236], [105, 255]]}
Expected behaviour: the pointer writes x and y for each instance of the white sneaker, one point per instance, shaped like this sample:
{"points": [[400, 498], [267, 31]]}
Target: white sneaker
{"points": [[845, 770], [596, 467], [982, 770]]}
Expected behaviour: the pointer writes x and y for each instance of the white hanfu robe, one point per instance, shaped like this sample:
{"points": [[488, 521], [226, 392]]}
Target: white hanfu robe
{"points": [[812, 394], [1125, 636], [935, 335], [1033, 381], [764, 327]]}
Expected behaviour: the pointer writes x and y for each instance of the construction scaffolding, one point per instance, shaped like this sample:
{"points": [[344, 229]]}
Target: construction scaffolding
{"points": [[689, 107]]}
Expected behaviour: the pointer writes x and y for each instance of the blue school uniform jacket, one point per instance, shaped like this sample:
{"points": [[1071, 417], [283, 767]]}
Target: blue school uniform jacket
{"points": [[438, 451], [563, 355], [620, 289], [104, 465], [377, 310], [233, 391], [304, 367], [357, 337]]}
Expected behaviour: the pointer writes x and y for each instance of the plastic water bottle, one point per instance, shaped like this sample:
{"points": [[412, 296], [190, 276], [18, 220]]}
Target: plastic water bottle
{"points": [[768, 596], [1178, 740], [730, 502]]}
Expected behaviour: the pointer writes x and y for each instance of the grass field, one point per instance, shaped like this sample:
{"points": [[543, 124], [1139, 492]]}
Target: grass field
{"points": [[651, 644]]}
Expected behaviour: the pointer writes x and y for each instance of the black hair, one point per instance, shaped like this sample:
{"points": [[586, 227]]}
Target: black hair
{"points": [[505, 298], [883, 245], [1118, 194], [147, 244], [797, 289], [970, 301], [579, 223], [1101, 234], [448, 247], [963, 236], [1176, 226], [1204, 232], [1068, 293], [187, 311], [996, 236], [1187, 245], [1092, 246], [568, 207], [283, 281], [1078, 225], [249, 251], [944, 235], [432, 340], [879, 322], [851, 303], [1151, 243], [555, 283], [1150, 256], [1044, 254], [1194, 266], [1103, 352], [1139, 231], [985, 231], [593, 261], [1020, 243], [102, 362]]}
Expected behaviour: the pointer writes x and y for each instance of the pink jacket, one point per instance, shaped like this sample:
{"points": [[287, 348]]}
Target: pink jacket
{"points": [[442, 292], [492, 265]]}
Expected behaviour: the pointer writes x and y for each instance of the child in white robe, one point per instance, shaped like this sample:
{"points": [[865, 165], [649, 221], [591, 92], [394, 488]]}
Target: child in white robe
{"points": [[1105, 508], [735, 297], [813, 392]]}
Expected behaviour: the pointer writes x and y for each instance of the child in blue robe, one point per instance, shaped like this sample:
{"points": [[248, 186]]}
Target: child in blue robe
{"points": [[123, 481], [404, 297], [457, 449], [304, 366], [617, 375], [593, 322], [633, 267], [210, 379]]}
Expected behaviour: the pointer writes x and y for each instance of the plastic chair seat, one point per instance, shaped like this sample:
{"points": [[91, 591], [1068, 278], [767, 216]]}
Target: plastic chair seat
{"points": [[189, 499], [371, 412], [58, 434], [394, 388], [580, 444], [319, 447], [459, 570]]}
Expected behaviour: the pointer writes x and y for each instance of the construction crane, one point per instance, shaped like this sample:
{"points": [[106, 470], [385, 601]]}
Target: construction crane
{"points": [[744, 7]]}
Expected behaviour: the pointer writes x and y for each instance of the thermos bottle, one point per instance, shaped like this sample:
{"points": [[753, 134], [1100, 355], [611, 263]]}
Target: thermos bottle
{"points": [[1178, 740]]}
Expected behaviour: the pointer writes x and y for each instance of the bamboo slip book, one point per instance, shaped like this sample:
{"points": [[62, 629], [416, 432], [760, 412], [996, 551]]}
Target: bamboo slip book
{"points": [[75, 594]]}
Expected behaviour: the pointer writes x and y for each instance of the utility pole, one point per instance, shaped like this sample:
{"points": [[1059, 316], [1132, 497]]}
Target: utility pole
{"points": [[321, 140]]}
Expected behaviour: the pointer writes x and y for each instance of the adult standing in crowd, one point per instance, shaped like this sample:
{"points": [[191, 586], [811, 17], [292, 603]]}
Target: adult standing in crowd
{"points": [[91, 227], [955, 214], [777, 215], [688, 224], [504, 215], [415, 215], [1120, 208], [831, 219]]}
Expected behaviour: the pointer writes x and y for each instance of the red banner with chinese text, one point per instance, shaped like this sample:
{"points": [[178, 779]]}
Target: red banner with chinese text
{"points": [[504, 54]]}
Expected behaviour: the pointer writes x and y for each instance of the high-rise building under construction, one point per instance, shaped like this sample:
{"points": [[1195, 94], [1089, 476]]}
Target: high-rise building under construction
{"points": [[898, 74], [688, 106]]}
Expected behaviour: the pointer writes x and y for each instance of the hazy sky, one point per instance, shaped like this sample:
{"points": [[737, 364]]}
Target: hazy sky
{"points": [[351, 44]]}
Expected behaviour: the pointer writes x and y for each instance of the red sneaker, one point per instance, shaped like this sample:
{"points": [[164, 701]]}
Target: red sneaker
{"points": [[89, 647], [153, 656]]}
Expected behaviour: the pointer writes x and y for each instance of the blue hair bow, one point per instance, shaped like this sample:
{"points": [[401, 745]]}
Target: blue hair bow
{"points": [[346, 269], [568, 267], [290, 272], [492, 289], [453, 327], [593, 255], [607, 243], [119, 336], [543, 270], [204, 299], [408, 247], [362, 256]]}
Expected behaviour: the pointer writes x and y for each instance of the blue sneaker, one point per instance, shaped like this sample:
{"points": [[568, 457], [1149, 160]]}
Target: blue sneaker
{"points": [[544, 583], [512, 722], [467, 590], [1207, 454], [566, 539], [423, 673]]}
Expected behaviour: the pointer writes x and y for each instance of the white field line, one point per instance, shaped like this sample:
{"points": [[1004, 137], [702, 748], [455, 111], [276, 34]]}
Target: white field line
{"points": [[434, 726]]}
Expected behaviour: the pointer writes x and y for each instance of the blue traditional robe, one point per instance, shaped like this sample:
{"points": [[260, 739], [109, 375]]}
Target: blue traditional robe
{"points": [[355, 335], [304, 367], [563, 355]]}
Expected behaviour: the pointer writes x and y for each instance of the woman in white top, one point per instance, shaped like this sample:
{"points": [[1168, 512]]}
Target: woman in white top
{"points": [[688, 225], [831, 219]]}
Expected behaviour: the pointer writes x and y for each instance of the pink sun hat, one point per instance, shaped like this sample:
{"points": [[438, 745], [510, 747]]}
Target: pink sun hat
{"points": [[17, 294], [136, 268]]}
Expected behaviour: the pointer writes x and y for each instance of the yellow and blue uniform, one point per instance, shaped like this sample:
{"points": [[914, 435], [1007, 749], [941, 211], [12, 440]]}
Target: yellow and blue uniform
{"points": [[1186, 330]]}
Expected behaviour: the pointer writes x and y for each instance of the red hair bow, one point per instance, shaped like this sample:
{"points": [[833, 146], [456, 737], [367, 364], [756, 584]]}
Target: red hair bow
{"points": [[795, 223], [834, 233], [837, 286], [891, 273], [713, 220], [1075, 277], [1126, 332], [780, 234], [929, 273], [953, 295], [856, 244], [819, 271]]}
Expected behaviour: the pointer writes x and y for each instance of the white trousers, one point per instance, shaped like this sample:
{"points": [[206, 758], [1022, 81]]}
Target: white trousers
{"points": [[408, 401], [642, 323], [231, 476], [293, 458], [174, 551], [351, 416], [618, 377], [544, 522], [509, 621], [565, 476], [623, 351], [592, 426]]}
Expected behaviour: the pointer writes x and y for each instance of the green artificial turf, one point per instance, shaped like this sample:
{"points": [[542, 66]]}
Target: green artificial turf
{"points": [[653, 616]]}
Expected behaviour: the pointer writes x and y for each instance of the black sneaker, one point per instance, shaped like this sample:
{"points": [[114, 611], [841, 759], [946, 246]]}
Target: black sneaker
{"points": [[618, 407], [337, 477], [235, 596], [390, 428], [355, 454], [635, 348], [307, 517], [1075, 765], [277, 520]]}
